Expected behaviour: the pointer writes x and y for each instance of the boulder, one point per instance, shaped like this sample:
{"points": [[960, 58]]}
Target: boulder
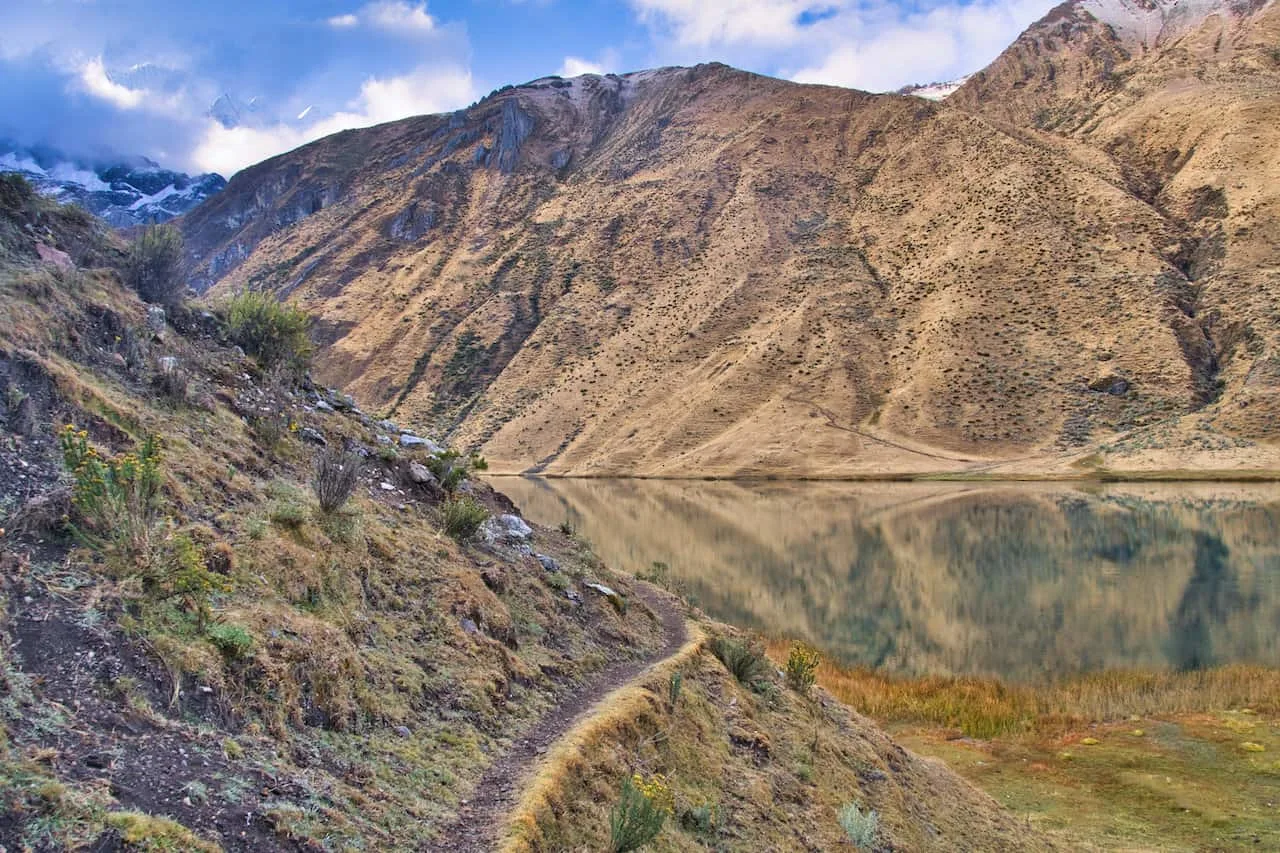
{"points": [[407, 440], [422, 475], [548, 563], [312, 435]]}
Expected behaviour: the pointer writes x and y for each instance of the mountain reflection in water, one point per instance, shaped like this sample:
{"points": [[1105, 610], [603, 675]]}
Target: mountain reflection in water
{"points": [[1017, 581]]}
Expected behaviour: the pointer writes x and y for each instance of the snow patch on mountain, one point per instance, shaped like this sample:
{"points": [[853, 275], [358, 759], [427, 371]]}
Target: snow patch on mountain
{"points": [[125, 192], [935, 91]]}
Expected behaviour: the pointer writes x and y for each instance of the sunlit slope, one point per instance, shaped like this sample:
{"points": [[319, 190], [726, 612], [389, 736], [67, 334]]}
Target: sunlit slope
{"points": [[703, 271]]}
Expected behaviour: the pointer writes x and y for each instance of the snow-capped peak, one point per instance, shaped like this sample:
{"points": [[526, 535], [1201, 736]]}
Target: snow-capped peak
{"points": [[125, 192]]}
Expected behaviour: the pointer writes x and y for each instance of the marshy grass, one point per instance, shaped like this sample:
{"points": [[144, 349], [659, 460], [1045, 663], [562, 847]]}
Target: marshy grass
{"points": [[987, 707]]}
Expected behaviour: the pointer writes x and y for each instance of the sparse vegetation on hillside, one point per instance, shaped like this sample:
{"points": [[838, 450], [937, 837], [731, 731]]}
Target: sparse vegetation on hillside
{"points": [[274, 332], [153, 265]]}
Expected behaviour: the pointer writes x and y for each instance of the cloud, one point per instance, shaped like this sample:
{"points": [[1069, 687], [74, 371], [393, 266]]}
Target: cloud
{"points": [[391, 16], [94, 78], [423, 90], [866, 44], [399, 16], [575, 67], [709, 22]]}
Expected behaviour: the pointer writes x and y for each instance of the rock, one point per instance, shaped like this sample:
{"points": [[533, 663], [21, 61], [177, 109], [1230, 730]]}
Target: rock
{"points": [[322, 406], [619, 603], [384, 439], [548, 563], [156, 319], [386, 487], [168, 363], [117, 361], [506, 528], [54, 257], [1113, 385], [573, 596], [311, 435], [389, 426], [402, 731], [407, 440], [421, 475], [469, 627]]}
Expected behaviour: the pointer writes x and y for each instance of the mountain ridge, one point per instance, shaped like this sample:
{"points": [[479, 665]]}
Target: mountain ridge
{"points": [[708, 272]]}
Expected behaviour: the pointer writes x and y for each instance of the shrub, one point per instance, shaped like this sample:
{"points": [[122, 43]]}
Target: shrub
{"points": [[450, 468], [274, 333], [233, 641], [747, 663], [859, 826], [153, 265], [182, 573], [463, 517], [337, 472], [640, 813], [288, 507], [116, 499], [674, 685], [802, 667]]}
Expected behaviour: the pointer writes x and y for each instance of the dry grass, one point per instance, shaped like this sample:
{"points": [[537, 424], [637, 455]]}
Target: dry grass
{"points": [[542, 793], [985, 708]]}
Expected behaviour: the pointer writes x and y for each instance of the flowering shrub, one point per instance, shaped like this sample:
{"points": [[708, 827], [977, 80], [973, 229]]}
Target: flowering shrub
{"points": [[638, 817], [802, 667], [117, 499]]}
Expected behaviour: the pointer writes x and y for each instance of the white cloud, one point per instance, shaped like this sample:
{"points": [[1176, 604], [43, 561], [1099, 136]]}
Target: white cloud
{"points": [[707, 22], [424, 90], [396, 17], [399, 16], [96, 81], [867, 44], [574, 67]]}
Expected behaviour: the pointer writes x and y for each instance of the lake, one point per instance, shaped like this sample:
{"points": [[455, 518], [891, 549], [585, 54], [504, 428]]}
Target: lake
{"points": [[1023, 582]]}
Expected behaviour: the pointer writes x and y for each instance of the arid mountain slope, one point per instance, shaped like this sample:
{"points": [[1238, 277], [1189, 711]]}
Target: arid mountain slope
{"points": [[704, 271]]}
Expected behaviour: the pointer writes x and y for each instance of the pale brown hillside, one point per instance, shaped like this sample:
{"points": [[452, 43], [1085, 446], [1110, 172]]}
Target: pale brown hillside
{"points": [[707, 272]]}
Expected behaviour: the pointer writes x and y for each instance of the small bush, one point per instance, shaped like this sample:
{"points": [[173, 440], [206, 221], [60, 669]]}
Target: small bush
{"points": [[153, 265], [640, 813], [288, 506], [233, 641], [117, 500], [747, 663], [704, 819], [450, 468], [337, 473], [802, 667], [463, 517], [181, 572], [674, 687], [274, 333], [859, 826]]}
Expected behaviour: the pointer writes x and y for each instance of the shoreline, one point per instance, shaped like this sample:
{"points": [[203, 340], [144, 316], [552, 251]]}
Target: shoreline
{"points": [[1096, 476]]}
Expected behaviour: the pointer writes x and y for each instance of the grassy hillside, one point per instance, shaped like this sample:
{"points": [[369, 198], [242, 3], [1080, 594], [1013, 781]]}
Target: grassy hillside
{"points": [[198, 655]]}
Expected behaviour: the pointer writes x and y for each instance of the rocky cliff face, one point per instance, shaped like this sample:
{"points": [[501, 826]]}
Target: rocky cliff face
{"points": [[704, 271]]}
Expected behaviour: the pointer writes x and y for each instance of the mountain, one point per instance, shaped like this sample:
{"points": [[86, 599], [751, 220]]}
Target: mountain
{"points": [[124, 192], [690, 272]]}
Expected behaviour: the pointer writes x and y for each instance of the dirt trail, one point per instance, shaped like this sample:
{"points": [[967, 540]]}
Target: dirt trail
{"points": [[480, 822]]}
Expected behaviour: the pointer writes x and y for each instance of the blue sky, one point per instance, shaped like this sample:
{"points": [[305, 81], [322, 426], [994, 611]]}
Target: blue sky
{"points": [[140, 76]]}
